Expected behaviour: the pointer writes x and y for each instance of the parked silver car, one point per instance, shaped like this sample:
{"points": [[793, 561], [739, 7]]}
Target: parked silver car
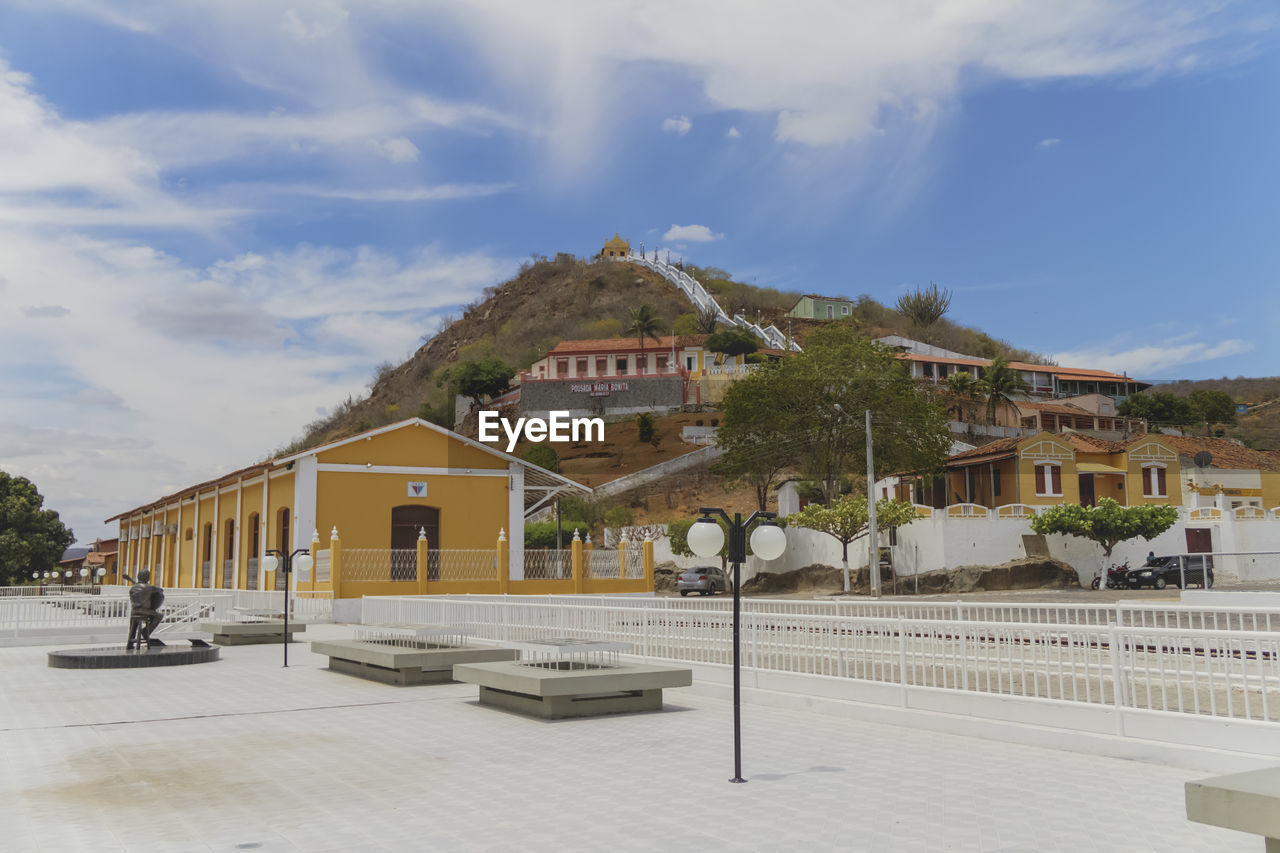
{"points": [[704, 580]]}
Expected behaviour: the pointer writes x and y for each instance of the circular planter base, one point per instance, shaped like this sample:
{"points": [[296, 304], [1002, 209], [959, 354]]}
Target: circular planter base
{"points": [[116, 657]]}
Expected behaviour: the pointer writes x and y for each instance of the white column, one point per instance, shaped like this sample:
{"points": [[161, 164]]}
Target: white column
{"points": [[264, 524], [195, 541], [304, 501], [515, 520], [236, 542], [214, 538], [164, 547]]}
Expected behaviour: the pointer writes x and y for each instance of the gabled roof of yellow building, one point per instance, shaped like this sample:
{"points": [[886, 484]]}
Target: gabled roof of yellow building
{"points": [[534, 475]]}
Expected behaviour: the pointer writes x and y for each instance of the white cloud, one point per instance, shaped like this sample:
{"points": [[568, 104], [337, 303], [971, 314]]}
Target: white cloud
{"points": [[1045, 144], [438, 192], [1150, 361], [690, 234], [732, 133], [199, 369], [398, 150], [835, 73], [680, 125]]}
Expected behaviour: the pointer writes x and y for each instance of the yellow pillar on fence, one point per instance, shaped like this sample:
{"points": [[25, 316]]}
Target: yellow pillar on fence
{"points": [[577, 564], [623, 546], [647, 556], [504, 563], [335, 563], [423, 564]]}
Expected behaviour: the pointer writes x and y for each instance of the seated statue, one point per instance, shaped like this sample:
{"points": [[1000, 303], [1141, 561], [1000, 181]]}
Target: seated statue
{"points": [[145, 615]]}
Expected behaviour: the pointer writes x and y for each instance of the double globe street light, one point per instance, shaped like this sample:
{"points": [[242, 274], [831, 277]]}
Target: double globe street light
{"points": [[277, 559], [706, 538]]}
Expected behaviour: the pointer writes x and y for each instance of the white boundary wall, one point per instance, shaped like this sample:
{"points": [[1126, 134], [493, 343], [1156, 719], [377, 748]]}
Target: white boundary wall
{"points": [[940, 542]]}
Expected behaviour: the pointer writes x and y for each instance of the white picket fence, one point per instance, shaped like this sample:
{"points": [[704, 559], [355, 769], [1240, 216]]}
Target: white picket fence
{"points": [[1131, 614], [1227, 673]]}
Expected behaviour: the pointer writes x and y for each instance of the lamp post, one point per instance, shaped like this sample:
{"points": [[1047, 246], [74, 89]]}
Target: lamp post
{"points": [[705, 538], [277, 559]]}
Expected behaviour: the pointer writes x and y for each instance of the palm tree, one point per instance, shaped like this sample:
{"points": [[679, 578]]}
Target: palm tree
{"points": [[999, 384], [645, 324], [966, 391]]}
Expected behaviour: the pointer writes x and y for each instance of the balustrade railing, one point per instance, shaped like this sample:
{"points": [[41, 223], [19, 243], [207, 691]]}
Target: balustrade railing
{"points": [[1222, 673]]}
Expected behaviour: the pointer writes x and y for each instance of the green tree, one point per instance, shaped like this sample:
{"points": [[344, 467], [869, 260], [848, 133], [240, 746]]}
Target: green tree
{"points": [[484, 378], [1212, 407], [967, 392], [644, 324], [925, 306], [847, 520], [757, 448], [1108, 523], [542, 534], [733, 342], [1158, 409], [685, 324], [544, 456], [32, 539], [645, 427], [819, 397], [998, 384]]}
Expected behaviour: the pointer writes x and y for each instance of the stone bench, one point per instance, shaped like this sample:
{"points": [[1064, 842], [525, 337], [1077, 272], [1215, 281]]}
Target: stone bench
{"points": [[553, 689], [403, 665], [1246, 802], [251, 633]]}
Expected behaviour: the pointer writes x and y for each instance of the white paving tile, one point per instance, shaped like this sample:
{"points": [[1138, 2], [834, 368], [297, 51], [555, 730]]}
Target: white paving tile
{"points": [[243, 754]]}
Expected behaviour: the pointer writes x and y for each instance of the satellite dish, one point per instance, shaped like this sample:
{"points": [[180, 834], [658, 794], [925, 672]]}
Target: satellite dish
{"points": [[1203, 459]]}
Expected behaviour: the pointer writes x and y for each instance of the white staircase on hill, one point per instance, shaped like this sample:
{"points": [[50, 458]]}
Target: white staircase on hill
{"points": [[690, 287]]}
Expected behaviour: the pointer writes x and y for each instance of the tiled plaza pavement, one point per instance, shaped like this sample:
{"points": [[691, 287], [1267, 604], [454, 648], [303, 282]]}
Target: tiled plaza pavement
{"points": [[242, 754]]}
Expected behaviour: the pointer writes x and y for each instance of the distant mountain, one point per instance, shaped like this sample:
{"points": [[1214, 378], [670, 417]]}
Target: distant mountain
{"points": [[1260, 428]]}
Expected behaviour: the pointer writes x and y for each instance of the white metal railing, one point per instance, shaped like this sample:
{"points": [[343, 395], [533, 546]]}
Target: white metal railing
{"points": [[1123, 613], [1233, 674], [49, 589], [547, 563], [76, 613]]}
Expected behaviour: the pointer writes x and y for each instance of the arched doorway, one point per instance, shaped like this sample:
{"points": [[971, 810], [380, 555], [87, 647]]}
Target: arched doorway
{"points": [[406, 522]]}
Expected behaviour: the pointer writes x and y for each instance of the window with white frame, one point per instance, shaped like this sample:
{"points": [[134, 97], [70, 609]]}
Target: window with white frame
{"points": [[1154, 484], [1049, 480]]}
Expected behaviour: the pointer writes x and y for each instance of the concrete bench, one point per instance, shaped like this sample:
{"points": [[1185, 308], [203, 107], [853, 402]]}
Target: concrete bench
{"points": [[403, 665], [251, 633], [553, 689], [1247, 802]]}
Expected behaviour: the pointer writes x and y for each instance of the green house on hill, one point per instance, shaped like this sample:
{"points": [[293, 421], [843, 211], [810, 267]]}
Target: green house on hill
{"points": [[812, 307]]}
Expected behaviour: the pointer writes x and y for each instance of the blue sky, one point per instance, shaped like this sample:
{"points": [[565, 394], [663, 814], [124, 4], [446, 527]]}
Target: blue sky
{"points": [[216, 219]]}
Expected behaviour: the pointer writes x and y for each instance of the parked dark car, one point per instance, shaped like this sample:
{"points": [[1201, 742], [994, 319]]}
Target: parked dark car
{"points": [[1160, 572], [705, 580]]}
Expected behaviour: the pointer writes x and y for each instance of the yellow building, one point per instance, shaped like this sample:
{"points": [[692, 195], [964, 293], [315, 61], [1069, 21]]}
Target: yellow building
{"points": [[379, 503], [1050, 468], [616, 248]]}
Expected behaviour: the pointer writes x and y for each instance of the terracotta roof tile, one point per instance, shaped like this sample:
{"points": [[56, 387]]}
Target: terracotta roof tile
{"points": [[1226, 453], [1089, 444]]}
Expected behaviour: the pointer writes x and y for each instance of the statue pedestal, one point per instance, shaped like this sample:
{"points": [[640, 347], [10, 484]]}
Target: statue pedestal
{"points": [[116, 657]]}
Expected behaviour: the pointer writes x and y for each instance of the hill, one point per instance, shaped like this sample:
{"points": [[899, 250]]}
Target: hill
{"points": [[567, 298], [1260, 428]]}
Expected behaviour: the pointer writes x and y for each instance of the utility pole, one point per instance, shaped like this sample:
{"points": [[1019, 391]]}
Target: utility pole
{"points": [[872, 545]]}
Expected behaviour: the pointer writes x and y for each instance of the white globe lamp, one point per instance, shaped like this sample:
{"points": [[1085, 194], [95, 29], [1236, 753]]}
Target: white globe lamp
{"points": [[705, 537], [768, 541], [102, 573], [270, 563], [304, 563], [84, 573]]}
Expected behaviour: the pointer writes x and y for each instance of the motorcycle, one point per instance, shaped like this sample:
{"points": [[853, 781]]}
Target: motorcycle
{"points": [[1117, 577]]}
